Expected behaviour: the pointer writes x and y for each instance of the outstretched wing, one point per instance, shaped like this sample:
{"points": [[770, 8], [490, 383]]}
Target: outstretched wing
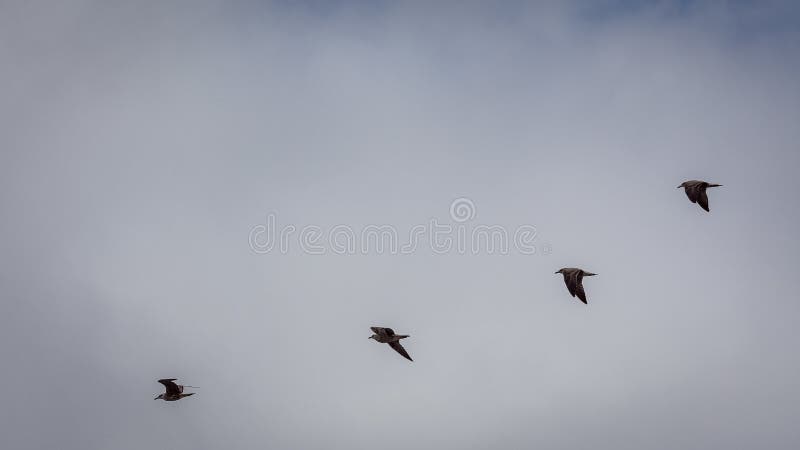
{"points": [[382, 331], [692, 193], [702, 199], [172, 388], [571, 280], [574, 282], [580, 292], [399, 349]]}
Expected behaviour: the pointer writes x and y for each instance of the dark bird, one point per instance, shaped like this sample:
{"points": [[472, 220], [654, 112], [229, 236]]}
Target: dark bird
{"points": [[174, 391], [387, 336], [573, 278], [696, 191]]}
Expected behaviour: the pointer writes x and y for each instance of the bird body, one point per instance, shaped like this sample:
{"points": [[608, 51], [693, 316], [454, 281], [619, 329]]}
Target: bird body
{"points": [[696, 191], [173, 391], [573, 278], [388, 336]]}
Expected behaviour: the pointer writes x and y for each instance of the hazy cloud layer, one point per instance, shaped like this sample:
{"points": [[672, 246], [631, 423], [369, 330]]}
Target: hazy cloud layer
{"points": [[141, 143]]}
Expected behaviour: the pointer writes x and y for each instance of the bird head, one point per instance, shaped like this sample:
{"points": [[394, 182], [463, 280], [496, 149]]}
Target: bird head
{"points": [[159, 396]]}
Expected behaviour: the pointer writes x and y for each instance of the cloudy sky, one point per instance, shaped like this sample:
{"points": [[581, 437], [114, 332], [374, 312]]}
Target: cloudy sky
{"points": [[141, 143]]}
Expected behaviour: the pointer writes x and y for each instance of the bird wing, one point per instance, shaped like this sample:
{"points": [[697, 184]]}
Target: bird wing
{"points": [[172, 388], [702, 199], [691, 192], [580, 292], [571, 280], [399, 349], [382, 331]]}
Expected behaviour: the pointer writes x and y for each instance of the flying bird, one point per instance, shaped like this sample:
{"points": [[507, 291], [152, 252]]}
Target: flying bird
{"points": [[387, 336], [696, 191], [174, 391], [573, 278]]}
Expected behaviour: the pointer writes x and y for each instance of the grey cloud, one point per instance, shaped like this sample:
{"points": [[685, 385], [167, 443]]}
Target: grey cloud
{"points": [[141, 143]]}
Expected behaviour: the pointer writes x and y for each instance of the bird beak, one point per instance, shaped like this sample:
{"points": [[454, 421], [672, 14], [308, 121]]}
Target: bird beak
{"points": [[556, 272], [678, 187], [156, 397]]}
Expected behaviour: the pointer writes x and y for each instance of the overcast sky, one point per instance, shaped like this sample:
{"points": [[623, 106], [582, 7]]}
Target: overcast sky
{"points": [[141, 143]]}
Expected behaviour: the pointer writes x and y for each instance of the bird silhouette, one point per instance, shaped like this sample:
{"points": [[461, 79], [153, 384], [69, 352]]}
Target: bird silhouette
{"points": [[573, 278], [174, 391], [696, 191], [387, 336]]}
